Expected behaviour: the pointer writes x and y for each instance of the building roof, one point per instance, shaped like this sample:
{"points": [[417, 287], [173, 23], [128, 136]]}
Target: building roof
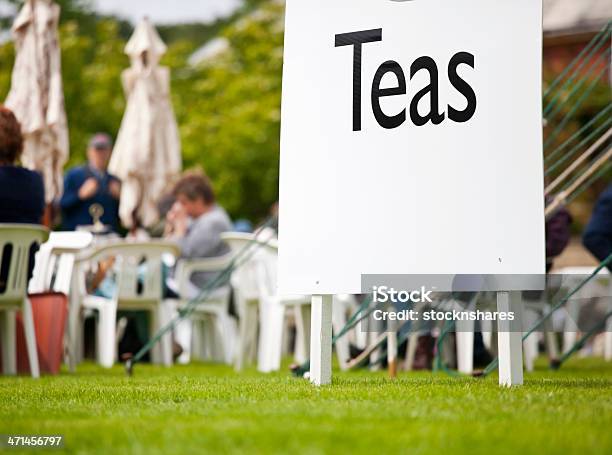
{"points": [[563, 17]]}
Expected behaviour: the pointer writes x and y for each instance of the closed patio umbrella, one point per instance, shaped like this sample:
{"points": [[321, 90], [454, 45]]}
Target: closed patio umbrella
{"points": [[147, 155], [37, 96]]}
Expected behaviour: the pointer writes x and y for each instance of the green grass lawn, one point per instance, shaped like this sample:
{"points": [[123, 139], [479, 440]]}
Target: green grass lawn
{"points": [[211, 409]]}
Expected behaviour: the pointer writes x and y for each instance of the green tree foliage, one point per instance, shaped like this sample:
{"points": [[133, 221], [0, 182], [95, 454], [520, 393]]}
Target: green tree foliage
{"points": [[228, 108], [229, 113]]}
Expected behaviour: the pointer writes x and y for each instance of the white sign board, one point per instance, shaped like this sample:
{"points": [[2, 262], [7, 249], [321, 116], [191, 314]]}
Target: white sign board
{"points": [[411, 141]]}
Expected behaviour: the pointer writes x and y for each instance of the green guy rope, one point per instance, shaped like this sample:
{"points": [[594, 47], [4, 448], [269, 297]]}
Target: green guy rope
{"points": [[553, 103], [606, 124], [574, 109], [604, 113], [573, 63], [576, 181], [607, 167]]}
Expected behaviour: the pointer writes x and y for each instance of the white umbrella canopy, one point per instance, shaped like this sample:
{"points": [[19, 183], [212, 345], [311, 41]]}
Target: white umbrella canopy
{"points": [[37, 95], [147, 154]]}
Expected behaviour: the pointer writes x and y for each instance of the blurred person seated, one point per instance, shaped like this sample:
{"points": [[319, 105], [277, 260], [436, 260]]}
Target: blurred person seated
{"points": [[597, 237], [196, 222], [89, 185], [22, 193]]}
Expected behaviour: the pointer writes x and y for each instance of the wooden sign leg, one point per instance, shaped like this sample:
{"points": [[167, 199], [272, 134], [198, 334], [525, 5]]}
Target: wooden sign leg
{"points": [[509, 336], [321, 340]]}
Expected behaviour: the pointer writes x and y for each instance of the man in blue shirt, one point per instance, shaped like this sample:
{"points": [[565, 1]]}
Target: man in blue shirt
{"points": [[91, 184]]}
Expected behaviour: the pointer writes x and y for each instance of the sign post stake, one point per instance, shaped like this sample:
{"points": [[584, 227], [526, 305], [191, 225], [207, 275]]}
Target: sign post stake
{"points": [[510, 340], [321, 340]]}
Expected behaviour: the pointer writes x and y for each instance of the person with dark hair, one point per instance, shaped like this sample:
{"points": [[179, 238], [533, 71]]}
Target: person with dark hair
{"points": [[22, 193], [196, 221], [89, 185], [597, 237]]}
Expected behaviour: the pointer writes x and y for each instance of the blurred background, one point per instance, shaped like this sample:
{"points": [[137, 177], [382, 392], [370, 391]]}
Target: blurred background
{"points": [[226, 63]]}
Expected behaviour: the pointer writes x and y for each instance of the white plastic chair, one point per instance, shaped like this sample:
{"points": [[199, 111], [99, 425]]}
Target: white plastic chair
{"points": [[246, 299], [577, 275], [55, 261], [261, 311], [254, 285], [209, 333], [134, 291], [19, 239]]}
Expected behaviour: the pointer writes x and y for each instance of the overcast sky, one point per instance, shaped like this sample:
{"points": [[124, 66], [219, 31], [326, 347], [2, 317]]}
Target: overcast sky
{"points": [[168, 11]]}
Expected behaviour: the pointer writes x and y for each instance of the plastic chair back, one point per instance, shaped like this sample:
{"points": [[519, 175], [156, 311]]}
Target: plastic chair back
{"points": [[138, 267], [256, 275], [55, 261], [16, 243]]}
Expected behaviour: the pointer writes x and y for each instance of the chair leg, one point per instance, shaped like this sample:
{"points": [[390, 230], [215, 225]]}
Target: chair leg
{"points": [[375, 328], [338, 323], [160, 317], [247, 339], [183, 335], [275, 346], [264, 335], [207, 337], [271, 336], [107, 318], [465, 346], [230, 332], [411, 351], [550, 337], [9, 345], [72, 333], [219, 327], [530, 345], [608, 337], [570, 334], [254, 332], [487, 334], [302, 333], [158, 349], [530, 348], [197, 339], [243, 331], [165, 318], [30, 337], [464, 337]]}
